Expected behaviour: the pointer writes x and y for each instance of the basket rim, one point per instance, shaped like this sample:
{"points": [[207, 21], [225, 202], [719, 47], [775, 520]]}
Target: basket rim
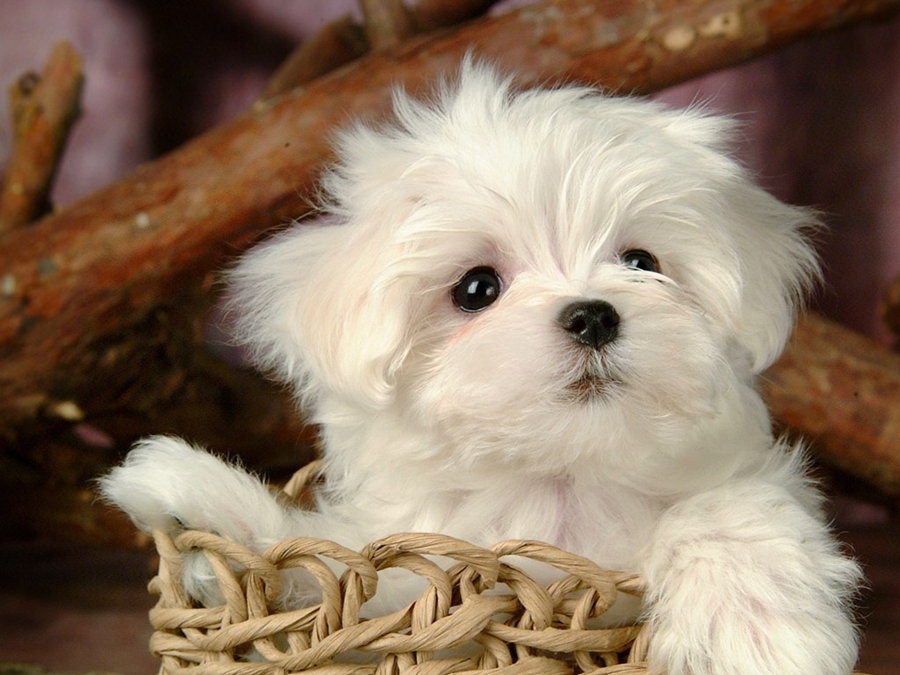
{"points": [[461, 605]]}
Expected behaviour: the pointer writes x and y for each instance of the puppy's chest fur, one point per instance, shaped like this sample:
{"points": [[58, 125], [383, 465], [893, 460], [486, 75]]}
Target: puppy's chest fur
{"points": [[607, 523]]}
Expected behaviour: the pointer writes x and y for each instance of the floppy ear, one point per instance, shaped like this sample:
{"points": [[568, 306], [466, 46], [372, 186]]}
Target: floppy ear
{"points": [[309, 306], [770, 240], [779, 267], [317, 305]]}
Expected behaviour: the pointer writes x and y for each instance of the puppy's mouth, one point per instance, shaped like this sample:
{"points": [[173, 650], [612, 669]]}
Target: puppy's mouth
{"points": [[590, 387]]}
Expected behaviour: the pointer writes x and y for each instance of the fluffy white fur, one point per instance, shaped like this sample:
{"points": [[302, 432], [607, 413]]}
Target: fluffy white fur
{"points": [[651, 452]]}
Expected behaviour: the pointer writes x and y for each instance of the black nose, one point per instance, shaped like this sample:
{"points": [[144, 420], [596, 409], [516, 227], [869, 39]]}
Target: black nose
{"points": [[591, 322]]}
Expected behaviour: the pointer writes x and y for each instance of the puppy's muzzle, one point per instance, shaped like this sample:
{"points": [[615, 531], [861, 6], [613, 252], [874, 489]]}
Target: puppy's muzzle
{"points": [[593, 323]]}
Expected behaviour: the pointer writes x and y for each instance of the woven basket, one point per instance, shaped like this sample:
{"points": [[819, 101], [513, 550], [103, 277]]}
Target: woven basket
{"points": [[457, 625]]}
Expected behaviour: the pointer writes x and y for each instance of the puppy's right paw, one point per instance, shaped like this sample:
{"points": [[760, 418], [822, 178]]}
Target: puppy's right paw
{"points": [[166, 483]]}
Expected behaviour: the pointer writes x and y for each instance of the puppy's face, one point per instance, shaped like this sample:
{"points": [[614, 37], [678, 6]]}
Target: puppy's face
{"points": [[526, 272]]}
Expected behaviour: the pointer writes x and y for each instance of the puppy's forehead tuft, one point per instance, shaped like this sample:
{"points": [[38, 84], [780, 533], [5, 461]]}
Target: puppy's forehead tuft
{"points": [[484, 129], [482, 113], [568, 168]]}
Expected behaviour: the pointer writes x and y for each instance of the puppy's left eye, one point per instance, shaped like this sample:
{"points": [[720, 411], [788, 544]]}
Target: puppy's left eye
{"points": [[478, 288], [638, 259]]}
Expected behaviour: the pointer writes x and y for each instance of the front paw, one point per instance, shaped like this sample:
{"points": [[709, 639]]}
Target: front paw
{"points": [[155, 483], [737, 589], [165, 483], [710, 628]]}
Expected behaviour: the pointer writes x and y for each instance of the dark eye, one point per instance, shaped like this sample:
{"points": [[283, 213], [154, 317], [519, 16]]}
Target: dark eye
{"points": [[478, 288], [640, 260]]}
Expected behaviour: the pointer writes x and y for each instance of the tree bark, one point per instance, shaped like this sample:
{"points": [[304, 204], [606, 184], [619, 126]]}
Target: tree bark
{"points": [[842, 391]]}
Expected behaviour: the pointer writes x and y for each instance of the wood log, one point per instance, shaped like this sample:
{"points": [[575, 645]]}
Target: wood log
{"points": [[87, 293], [842, 391]]}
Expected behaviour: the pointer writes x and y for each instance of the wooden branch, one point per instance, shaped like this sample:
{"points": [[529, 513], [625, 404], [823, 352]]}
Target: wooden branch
{"points": [[338, 43], [43, 109], [387, 22], [344, 40], [429, 15], [842, 390], [78, 288]]}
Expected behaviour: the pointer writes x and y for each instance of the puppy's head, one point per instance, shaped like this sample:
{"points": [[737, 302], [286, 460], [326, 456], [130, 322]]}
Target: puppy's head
{"points": [[515, 268]]}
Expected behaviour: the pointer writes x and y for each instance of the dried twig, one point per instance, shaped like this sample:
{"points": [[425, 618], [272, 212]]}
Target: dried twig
{"points": [[43, 109], [387, 22], [344, 40], [339, 42]]}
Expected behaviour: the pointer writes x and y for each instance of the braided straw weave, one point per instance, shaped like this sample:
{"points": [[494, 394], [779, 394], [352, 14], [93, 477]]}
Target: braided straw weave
{"points": [[457, 625]]}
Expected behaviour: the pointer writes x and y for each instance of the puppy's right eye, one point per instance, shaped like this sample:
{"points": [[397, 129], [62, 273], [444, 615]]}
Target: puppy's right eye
{"points": [[637, 259], [478, 288]]}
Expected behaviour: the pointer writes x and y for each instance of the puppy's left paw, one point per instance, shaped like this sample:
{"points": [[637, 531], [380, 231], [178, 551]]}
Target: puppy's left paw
{"points": [[749, 585], [713, 628]]}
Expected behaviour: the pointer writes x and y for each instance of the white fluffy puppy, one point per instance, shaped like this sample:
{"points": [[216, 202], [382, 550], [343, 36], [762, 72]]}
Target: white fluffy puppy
{"points": [[539, 315]]}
